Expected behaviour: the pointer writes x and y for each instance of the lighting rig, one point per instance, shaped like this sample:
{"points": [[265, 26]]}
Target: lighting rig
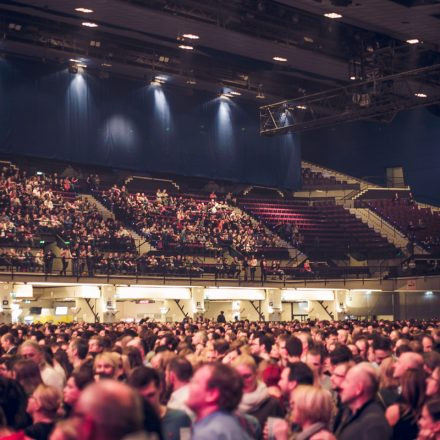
{"points": [[378, 98]]}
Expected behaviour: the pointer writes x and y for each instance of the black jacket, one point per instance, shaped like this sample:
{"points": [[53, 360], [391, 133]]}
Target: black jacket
{"points": [[368, 423]]}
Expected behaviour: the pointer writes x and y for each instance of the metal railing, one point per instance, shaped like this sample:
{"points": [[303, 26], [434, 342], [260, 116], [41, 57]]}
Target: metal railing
{"points": [[82, 269]]}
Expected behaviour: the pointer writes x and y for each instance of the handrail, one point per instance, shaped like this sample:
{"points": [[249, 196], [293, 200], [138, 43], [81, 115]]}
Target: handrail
{"points": [[87, 268]]}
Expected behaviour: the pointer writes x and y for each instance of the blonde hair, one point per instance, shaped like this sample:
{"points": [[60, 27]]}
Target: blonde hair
{"points": [[386, 370], [245, 359], [108, 356], [313, 404], [49, 398]]}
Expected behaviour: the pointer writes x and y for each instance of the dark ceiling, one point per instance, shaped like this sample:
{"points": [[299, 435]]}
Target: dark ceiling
{"points": [[238, 40]]}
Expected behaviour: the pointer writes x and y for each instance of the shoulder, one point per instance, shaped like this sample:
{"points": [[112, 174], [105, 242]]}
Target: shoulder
{"points": [[176, 415], [392, 414]]}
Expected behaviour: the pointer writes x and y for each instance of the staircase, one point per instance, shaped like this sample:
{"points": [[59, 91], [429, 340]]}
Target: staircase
{"points": [[294, 254], [385, 229], [141, 244], [106, 213], [337, 175]]}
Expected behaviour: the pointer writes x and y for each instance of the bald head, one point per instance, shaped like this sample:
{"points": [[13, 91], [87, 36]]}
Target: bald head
{"points": [[360, 385], [111, 410], [407, 361]]}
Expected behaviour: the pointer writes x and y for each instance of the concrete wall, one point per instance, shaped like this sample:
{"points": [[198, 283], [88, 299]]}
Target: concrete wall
{"points": [[417, 305], [213, 309]]}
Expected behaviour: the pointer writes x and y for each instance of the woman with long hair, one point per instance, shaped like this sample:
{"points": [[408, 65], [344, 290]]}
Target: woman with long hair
{"points": [[403, 415]]}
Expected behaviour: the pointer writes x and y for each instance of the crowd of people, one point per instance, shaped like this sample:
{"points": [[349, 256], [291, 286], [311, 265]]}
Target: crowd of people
{"points": [[46, 203], [184, 220], [204, 380]]}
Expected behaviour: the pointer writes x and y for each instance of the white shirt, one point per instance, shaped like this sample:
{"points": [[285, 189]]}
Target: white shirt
{"points": [[53, 376], [178, 400]]}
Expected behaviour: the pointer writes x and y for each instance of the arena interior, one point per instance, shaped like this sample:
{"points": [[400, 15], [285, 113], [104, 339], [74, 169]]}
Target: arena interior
{"points": [[212, 180]]}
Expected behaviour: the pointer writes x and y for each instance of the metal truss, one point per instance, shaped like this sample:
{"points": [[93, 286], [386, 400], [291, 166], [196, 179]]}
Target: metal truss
{"points": [[379, 99]]}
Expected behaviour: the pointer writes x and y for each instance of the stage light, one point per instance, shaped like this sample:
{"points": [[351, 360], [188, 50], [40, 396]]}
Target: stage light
{"points": [[352, 77], [191, 81], [429, 293], [94, 43], [413, 41], [281, 59], [185, 47], [73, 68], [332, 15], [84, 10], [106, 65], [309, 40], [89, 24], [301, 107], [235, 93], [191, 36], [15, 27], [421, 95], [74, 60]]}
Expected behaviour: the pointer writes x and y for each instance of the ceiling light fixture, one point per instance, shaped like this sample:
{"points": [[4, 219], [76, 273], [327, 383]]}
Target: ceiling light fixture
{"points": [[421, 95], [89, 24], [332, 15], [191, 36], [84, 10], [281, 59], [413, 41], [185, 47]]}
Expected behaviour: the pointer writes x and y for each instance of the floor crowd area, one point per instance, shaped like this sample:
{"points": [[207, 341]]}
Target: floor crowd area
{"points": [[212, 379]]}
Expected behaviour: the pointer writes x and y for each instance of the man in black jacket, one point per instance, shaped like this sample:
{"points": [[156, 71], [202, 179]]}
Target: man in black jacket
{"points": [[363, 419], [221, 317]]}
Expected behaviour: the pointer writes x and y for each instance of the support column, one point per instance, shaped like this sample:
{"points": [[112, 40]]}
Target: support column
{"points": [[340, 309], [272, 307], [198, 302], [106, 305], [6, 303]]}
